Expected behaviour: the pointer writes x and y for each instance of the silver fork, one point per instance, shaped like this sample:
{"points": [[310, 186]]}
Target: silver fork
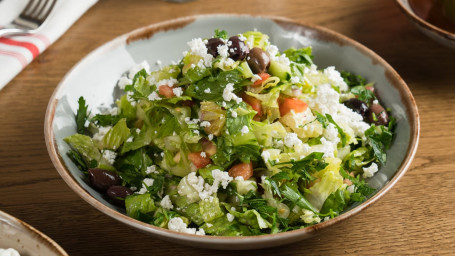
{"points": [[30, 19]]}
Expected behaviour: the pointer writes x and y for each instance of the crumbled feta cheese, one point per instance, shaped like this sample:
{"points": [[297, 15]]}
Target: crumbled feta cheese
{"points": [[265, 155], [151, 169], [203, 154], [130, 139], [101, 132], [229, 62], [178, 225], [295, 80], [168, 82], [166, 203], [291, 139], [370, 170], [138, 130], [9, 252], [223, 50], [124, 81], [245, 130], [234, 114], [197, 47], [283, 59], [223, 104], [375, 102], [191, 121], [207, 90], [136, 68], [209, 225], [228, 93], [335, 78], [154, 96], [205, 124], [351, 189], [255, 78], [210, 136], [177, 91], [242, 38], [272, 50], [205, 190], [239, 178], [230, 217], [196, 132], [309, 217], [109, 156]]}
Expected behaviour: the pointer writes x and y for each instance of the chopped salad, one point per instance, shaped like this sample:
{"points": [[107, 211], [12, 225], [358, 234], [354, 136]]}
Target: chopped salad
{"points": [[237, 138]]}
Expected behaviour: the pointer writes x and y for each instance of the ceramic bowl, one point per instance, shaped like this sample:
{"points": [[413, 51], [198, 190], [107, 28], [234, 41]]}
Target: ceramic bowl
{"points": [[436, 33], [28, 241], [96, 75]]}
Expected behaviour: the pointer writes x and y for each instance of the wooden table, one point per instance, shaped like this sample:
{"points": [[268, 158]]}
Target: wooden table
{"points": [[416, 217]]}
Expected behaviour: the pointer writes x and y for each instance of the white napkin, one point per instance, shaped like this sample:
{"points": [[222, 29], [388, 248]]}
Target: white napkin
{"points": [[16, 52]]}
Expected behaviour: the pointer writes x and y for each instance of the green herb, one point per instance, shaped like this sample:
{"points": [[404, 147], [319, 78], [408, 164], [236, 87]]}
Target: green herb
{"points": [[302, 55], [106, 120], [77, 159], [380, 139], [307, 166], [336, 202], [363, 93], [221, 34], [81, 116], [353, 80], [362, 190], [340, 131], [322, 119], [211, 88], [296, 198]]}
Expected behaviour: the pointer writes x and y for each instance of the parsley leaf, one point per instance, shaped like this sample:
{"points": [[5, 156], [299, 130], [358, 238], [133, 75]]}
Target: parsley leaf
{"points": [[322, 119], [340, 131], [212, 88], [362, 190], [302, 55], [362, 93], [308, 165], [81, 116], [335, 202], [380, 140], [353, 80], [221, 34], [106, 120]]}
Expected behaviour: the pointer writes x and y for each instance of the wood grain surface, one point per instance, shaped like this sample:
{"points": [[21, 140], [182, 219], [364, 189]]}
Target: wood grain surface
{"points": [[417, 217]]}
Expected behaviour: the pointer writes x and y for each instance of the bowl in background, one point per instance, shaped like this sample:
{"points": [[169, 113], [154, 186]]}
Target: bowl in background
{"points": [[95, 78], [28, 241], [440, 33]]}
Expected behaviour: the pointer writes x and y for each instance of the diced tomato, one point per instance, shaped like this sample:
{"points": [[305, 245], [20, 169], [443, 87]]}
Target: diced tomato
{"points": [[370, 88], [166, 91], [243, 169], [208, 147], [258, 82], [288, 104], [254, 103], [198, 160]]}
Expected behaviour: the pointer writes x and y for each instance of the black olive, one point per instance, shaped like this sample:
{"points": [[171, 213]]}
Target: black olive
{"points": [[212, 46], [102, 179], [237, 48], [118, 194], [357, 106], [258, 60], [378, 115]]}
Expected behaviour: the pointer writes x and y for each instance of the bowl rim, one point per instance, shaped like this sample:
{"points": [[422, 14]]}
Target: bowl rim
{"points": [[38, 235], [285, 237], [423, 23]]}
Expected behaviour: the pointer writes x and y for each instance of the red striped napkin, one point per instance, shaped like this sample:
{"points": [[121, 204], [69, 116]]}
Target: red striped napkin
{"points": [[16, 52]]}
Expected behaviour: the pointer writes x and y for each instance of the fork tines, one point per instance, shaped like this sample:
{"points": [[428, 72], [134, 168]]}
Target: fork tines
{"points": [[35, 13]]}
